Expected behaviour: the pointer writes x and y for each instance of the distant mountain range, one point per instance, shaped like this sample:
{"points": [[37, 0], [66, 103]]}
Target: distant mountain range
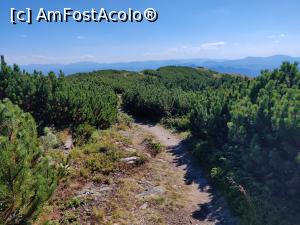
{"points": [[250, 66]]}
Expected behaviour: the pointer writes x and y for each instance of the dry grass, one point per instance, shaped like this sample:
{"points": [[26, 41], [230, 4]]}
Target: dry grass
{"points": [[63, 135], [98, 163], [99, 215]]}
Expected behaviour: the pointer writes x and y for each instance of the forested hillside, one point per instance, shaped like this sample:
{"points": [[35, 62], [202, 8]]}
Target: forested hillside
{"points": [[29, 173], [54, 100], [245, 132]]}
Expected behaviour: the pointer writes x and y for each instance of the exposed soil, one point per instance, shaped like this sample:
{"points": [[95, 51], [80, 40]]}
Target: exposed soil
{"points": [[204, 205], [168, 189]]}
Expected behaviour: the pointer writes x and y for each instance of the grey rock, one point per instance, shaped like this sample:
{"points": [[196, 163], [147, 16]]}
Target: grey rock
{"points": [[130, 160], [144, 206], [95, 191], [151, 192]]}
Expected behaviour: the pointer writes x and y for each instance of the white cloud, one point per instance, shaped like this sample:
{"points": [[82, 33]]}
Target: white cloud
{"points": [[278, 36], [80, 37], [213, 45], [87, 57], [23, 36], [197, 49], [283, 35]]}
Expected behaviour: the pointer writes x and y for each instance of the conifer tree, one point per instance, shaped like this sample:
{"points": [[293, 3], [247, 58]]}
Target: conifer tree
{"points": [[26, 178]]}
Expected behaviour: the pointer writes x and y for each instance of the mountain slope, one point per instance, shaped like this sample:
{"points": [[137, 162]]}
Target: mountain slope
{"points": [[250, 66]]}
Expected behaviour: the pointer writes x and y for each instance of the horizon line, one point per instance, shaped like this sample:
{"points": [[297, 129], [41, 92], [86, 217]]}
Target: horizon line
{"points": [[157, 60]]}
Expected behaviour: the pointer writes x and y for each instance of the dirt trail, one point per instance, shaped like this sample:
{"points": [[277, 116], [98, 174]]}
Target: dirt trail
{"points": [[205, 206]]}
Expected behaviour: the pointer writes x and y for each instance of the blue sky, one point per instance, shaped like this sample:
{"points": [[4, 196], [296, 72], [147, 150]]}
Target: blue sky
{"points": [[185, 29]]}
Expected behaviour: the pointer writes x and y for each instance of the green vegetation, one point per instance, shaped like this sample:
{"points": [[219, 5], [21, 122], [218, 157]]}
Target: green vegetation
{"points": [[58, 101], [49, 140], [177, 123], [154, 147], [245, 133], [96, 168], [251, 145], [83, 133], [26, 178]]}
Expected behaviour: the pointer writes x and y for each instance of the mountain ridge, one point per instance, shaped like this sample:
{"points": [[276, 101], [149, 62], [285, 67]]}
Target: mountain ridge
{"points": [[249, 66]]}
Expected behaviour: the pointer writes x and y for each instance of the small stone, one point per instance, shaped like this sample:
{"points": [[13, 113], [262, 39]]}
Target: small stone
{"points": [[131, 150], [144, 206], [130, 160], [151, 192]]}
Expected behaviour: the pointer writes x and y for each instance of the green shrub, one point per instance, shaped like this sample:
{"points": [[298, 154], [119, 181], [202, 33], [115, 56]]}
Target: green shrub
{"points": [[83, 133], [69, 218], [154, 147], [101, 163], [124, 121], [177, 123], [49, 140], [62, 101], [26, 178], [216, 173], [74, 203]]}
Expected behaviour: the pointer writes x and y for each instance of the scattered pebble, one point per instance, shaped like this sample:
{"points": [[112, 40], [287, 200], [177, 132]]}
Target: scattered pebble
{"points": [[144, 206], [130, 160]]}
